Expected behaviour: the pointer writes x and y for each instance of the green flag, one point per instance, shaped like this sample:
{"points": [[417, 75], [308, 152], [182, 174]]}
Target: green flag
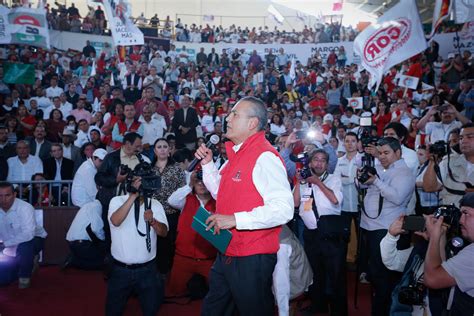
{"points": [[18, 73]]}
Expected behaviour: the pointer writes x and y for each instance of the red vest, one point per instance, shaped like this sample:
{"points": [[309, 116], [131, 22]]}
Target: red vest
{"points": [[188, 242], [123, 129], [237, 193]]}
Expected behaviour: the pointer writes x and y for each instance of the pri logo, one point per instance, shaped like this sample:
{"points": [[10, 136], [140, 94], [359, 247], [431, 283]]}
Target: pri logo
{"points": [[386, 41]]}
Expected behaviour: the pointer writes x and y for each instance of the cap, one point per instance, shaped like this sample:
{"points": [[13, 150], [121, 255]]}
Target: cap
{"points": [[99, 153], [69, 132], [450, 55], [328, 117], [467, 200]]}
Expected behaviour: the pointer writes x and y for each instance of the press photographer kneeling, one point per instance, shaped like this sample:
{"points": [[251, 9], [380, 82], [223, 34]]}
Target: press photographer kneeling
{"points": [[457, 271], [131, 217]]}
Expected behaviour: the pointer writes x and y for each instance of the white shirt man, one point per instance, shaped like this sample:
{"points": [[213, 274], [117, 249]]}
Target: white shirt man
{"points": [[153, 129], [55, 91], [90, 213], [84, 189], [23, 171], [346, 169], [18, 225]]}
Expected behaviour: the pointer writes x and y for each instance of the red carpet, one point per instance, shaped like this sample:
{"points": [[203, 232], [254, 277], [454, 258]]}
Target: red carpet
{"points": [[82, 293]]}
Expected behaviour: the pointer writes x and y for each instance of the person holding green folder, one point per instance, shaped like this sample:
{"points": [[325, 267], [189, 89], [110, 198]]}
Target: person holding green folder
{"points": [[253, 200]]}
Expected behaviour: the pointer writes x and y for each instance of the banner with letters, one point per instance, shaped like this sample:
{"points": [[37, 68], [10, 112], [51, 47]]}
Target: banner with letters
{"points": [[124, 32], [397, 36], [24, 26]]}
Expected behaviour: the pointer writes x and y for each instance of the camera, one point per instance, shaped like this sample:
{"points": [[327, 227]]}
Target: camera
{"points": [[364, 173], [451, 215], [303, 158], [439, 148], [412, 294], [365, 132], [150, 181]]}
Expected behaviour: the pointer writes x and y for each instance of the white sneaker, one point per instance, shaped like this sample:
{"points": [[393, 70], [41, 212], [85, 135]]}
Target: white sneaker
{"points": [[363, 278], [24, 283]]}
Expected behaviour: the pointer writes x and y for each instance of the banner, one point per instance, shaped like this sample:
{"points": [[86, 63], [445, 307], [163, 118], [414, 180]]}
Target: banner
{"points": [[463, 11], [441, 11], [408, 82], [124, 32], [355, 103], [24, 26], [397, 36], [19, 73]]}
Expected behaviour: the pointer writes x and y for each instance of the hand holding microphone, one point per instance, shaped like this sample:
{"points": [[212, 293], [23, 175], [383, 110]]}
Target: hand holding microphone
{"points": [[204, 153]]}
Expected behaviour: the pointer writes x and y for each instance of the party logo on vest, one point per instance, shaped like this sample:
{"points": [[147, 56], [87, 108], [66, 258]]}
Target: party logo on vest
{"points": [[237, 178]]}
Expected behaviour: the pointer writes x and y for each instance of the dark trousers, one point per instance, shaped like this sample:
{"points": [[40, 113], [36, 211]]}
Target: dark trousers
{"points": [[166, 245], [143, 281], [244, 283], [327, 257], [382, 279], [87, 255], [20, 266]]}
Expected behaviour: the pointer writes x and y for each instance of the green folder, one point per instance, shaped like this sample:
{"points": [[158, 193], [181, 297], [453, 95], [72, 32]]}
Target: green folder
{"points": [[220, 241]]}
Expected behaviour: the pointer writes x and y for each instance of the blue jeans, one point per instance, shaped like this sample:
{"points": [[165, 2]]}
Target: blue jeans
{"points": [[20, 266], [144, 281]]}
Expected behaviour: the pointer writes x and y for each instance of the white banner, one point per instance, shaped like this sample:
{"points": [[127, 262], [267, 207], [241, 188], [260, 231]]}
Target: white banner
{"points": [[355, 103], [124, 32], [408, 82], [397, 36], [463, 11], [24, 26]]}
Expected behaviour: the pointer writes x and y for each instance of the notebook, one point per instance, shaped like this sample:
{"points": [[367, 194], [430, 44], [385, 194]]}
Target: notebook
{"points": [[220, 241]]}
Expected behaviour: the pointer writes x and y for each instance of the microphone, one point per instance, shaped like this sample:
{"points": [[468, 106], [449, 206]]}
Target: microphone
{"points": [[214, 140]]}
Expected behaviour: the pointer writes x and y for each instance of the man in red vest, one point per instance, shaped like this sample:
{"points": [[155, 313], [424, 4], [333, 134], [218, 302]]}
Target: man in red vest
{"points": [[194, 254], [128, 125], [253, 199]]}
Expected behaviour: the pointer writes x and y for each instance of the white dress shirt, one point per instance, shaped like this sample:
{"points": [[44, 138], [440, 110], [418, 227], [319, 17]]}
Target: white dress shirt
{"points": [[18, 171], [18, 225], [270, 179], [347, 171], [52, 92], [84, 188], [89, 213], [82, 138], [438, 131], [152, 130], [323, 205], [38, 147], [177, 199], [127, 245]]}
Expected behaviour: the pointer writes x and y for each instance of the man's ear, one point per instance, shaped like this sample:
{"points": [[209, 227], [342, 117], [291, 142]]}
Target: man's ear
{"points": [[253, 123]]}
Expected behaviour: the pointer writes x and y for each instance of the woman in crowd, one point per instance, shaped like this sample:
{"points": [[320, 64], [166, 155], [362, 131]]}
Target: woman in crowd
{"points": [[116, 114], [382, 117], [277, 128], [209, 119], [413, 137], [333, 95], [172, 178], [56, 125], [26, 120], [15, 132]]}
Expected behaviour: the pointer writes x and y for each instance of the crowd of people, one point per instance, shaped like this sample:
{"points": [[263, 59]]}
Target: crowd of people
{"points": [[291, 150]]}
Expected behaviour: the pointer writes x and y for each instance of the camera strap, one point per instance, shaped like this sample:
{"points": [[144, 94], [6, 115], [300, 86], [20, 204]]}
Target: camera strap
{"points": [[452, 191], [137, 218], [323, 177]]}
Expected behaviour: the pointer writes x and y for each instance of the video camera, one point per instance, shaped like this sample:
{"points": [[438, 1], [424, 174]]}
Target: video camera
{"points": [[451, 215], [365, 132], [150, 181]]}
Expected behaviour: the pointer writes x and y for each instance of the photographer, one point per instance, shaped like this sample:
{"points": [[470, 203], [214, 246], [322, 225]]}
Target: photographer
{"points": [[111, 176], [453, 175], [133, 263], [319, 201], [409, 296], [457, 271], [390, 186]]}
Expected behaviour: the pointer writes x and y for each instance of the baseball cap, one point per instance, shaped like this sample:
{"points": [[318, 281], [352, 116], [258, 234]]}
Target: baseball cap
{"points": [[69, 132], [328, 117], [450, 55], [99, 153], [467, 200]]}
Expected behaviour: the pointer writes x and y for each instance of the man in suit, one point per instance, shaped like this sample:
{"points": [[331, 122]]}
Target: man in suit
{"points": [[58, 168], [213, 58], [70, 151], [184, 124], [39, 146], [7, 150]]}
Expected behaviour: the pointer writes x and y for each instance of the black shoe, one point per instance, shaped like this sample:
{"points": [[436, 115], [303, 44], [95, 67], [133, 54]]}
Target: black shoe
{"points": [[67, 263]]}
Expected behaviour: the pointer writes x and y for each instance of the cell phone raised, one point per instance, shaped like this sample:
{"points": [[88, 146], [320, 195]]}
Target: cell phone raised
{"points": [[414, 223]]}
